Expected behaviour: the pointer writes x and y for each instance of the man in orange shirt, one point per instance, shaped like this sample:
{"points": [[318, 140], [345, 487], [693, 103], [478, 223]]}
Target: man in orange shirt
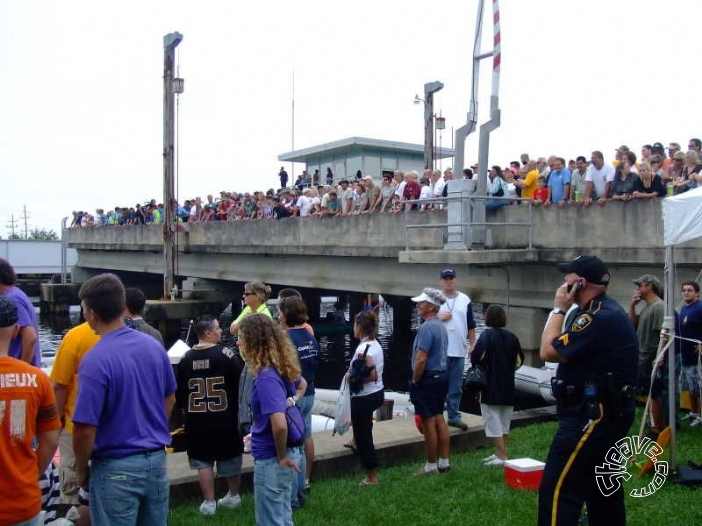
{"points": [[27, 409], [64, 377]]}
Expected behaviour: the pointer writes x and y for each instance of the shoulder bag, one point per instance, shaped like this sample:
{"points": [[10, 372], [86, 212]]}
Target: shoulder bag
{"points": [[294, 419]]}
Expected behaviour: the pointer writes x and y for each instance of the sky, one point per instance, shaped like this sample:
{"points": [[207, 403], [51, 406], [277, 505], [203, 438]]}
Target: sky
{"points": [[81, 87]]}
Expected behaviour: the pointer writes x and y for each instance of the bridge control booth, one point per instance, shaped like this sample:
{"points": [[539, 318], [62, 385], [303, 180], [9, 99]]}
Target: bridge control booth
{"points": [[373, 157]]}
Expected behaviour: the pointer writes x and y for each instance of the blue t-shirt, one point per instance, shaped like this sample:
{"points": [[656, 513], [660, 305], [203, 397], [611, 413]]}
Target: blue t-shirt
{"points": [[308, 351], [689, 325], [122, 384], [557, 181], [432, 338], [26, 317], [269, 396]]}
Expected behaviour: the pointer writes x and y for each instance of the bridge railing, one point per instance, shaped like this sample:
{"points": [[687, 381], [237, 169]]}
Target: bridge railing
{"points": [[465, 217]]}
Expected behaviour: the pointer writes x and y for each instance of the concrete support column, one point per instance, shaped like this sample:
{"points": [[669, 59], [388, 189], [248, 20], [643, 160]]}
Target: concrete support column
{"points": [[356, 303], [459, 213], [237, 300], [313, 300], [528, 324], [402, 313], [57, 299]]}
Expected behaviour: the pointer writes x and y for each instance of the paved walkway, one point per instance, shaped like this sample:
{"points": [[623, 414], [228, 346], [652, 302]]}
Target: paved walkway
{"points": [[397, 442]]}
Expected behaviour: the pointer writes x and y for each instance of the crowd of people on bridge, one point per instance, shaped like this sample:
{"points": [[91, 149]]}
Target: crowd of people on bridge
{"points": [[552, 181]]}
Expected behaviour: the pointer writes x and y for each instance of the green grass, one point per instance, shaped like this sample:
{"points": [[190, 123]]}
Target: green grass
{"points": [[469, 494]]}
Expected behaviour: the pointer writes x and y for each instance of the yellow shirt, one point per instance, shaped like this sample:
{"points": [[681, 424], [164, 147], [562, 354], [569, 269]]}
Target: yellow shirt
{"points": [[262, 309], [77, 342], [530, 182]]}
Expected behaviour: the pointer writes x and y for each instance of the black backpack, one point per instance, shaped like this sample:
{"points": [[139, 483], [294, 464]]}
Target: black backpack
{"points": [[359, 372]]}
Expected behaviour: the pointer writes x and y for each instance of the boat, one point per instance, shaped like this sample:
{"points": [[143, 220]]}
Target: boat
{"points": [[536, 380]]}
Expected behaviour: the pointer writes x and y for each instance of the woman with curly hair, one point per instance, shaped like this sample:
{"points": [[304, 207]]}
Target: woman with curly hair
{"points": [[273, 362]]}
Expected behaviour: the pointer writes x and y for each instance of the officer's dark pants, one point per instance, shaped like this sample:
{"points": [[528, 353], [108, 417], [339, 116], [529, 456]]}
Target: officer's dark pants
{"points": [[569, 475]]}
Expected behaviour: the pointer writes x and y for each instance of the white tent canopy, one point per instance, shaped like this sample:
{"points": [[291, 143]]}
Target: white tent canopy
{"points": [[682, 221], [682, 217]]}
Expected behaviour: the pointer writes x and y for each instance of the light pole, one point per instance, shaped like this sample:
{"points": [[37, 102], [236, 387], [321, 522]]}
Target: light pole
{"points": [[429, 89], [170, 86]]}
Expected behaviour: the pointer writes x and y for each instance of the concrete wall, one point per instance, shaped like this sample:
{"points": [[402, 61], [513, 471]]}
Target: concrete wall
{"points": [[630, 231], [378, 235], [36, 257]]}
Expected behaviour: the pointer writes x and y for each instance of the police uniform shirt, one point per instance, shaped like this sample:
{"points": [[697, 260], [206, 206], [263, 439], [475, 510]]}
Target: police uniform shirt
{"points": [[599, 340]]}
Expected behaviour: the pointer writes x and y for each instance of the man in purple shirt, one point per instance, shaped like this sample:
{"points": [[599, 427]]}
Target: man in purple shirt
{"points": [[25, 346], [125, 397]]}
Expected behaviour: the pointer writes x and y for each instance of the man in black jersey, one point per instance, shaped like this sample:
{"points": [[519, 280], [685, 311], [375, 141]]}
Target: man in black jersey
{"points": [[208, 387]]}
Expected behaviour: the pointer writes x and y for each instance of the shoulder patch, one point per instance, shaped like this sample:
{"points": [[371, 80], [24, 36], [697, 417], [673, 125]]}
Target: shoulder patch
{"points": [[581, 322]]}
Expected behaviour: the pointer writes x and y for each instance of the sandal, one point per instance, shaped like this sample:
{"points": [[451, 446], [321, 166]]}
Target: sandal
{"points": [[367, 482], [350, 445]]}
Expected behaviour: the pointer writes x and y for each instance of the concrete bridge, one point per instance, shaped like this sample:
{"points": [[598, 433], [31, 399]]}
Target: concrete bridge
{"points": [[379, 254]]}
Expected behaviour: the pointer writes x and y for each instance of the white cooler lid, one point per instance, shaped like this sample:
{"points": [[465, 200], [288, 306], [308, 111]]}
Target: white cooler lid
{"points": [[524, 464]]}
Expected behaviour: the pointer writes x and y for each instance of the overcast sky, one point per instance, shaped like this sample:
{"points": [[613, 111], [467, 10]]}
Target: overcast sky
{"points": [[81, 87]]}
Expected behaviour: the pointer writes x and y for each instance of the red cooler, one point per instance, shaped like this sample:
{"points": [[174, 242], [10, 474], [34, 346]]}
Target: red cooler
{"points": [[524, 473]]}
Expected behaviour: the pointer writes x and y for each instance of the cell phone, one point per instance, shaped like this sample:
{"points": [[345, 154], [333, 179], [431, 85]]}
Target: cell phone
{"points": [[578, 286]]}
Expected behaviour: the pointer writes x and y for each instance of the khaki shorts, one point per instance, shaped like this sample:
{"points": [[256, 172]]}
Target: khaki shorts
{"points": [[69, 479], [497, 419]]}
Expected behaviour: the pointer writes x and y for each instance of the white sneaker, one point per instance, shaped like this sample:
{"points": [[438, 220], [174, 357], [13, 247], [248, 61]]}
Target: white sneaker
{"points": [[491, 457], [208, 507], [696, 422], [230, 501], [688, 416], [495, 462]]}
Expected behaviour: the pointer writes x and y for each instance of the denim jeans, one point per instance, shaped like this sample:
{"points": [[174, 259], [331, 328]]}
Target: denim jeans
{"points": [[272, 490], [494, 204], [34, 521], [298, 493], [456, 366], [129, 491]]}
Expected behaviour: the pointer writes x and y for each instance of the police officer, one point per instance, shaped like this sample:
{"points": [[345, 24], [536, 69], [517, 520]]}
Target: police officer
{"points": [[598, 356]]}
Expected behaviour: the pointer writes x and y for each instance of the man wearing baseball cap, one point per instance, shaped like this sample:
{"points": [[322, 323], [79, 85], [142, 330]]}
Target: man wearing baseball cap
{"points": [[28, 409], [429, 380], [457, 316], [648, 324], [594, 390]]}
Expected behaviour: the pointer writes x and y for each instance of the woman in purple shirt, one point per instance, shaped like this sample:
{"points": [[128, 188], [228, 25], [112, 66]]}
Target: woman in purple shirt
{"points": [[273, 361]]}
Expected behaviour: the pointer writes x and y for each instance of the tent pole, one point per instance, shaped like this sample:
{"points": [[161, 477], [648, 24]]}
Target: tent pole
{"points": [[669, 326]]}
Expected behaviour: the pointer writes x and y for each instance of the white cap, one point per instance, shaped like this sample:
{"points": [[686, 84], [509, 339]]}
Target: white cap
{"points": [[433, 296]]}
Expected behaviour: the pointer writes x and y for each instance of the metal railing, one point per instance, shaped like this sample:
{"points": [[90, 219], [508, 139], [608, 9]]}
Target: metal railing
{"points": [[463, 223]]}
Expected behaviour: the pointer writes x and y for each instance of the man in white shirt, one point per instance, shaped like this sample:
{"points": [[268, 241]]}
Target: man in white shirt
{"points": [[457, 315], [399, 182], [345, 196], [599, 176], [304, 202]]}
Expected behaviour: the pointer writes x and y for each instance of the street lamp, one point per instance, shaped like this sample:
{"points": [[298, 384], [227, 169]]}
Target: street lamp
{"points": [[429, 89]]}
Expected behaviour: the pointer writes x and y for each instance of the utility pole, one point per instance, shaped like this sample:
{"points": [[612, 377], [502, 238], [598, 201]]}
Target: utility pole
{"points": [[24, 218], [11, 225], [170, 42]]}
